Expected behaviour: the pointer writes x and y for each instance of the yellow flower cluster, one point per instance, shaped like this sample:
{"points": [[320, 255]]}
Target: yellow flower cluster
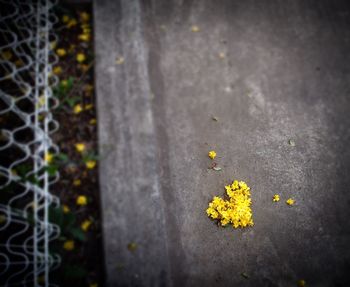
{"points": [[236, 210]]}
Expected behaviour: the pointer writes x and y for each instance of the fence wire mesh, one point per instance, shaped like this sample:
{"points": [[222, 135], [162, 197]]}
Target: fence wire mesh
{"points": [[26, 148]]}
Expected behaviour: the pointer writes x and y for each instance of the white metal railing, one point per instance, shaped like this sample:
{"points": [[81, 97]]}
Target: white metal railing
{"points": [[26, 123]]}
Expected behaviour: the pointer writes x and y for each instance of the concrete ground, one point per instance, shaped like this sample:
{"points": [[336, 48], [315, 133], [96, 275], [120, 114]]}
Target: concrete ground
{"points": [[281, 97]]}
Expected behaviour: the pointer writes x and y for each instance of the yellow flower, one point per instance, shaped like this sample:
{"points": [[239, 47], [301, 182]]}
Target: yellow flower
{"points": [[48, 157], [6, 55], [212, 154], [65, 208], [57, 70], [53, 45], [301, 283], [290, 201], [65, 18], [64, 83], [84, 37], [68, 245], [89, 107], [93, 285], [119, 60], [90, 164], [195, 28], [41, 101], [80, 147], [71, 23], [276, 198], [77, 109], [92, 122], [61, 52], [82, 200], [77, 182], [81, 57], [236, 209], [85, 225], [84, 17]]}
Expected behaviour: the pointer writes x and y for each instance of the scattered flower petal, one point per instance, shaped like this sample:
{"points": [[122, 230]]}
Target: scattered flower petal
{"points": [[61, 52], [68, 245], [81, 57], [77, 182], [48, 157], [86, 225], [119, 61], [92, 122], [290, 201], [77, 109], [276, 198], [82, 200], [212, 154], [66, 209], [90, 164], [80, 147]]}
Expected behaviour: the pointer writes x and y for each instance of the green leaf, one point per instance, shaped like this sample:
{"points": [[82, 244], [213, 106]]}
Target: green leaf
{"points": [[56, 216], [73, 271], [78, 234], [62, 157], [68, 221]]}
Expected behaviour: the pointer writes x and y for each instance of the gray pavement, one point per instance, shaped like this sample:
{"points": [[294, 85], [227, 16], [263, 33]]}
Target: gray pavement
{"points": [[285, 76]]}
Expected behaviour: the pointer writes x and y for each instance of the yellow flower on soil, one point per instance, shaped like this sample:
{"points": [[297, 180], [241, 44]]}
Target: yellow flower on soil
{"points": [[65, 18], [212, 154], [84, 37], [86, 225], [84, 17], [68, 245], [66, 209], [89, 107], [90, 164], [61, 52], [77, 182], [276, 198], [80, 147], [48, 157], [57, 70], [195, 28], [92, 122], [236, 209], [82, 200], [290, 201], [77, 109], [6, 55], [71, 23], [81, 57], [93, 285]]}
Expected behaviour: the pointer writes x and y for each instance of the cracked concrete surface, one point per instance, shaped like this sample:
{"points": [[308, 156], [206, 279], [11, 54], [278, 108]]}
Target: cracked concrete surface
{"points": [[285, 75]]}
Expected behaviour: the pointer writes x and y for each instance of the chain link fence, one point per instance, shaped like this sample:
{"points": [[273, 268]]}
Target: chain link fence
{"points": [[26, 148]]}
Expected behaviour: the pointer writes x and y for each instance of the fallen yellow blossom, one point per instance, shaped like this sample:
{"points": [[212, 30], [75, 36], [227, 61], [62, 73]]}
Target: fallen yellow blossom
{"points": [[276, 198], [61, 52], [195, 28], [86, 225], [290, 201], [65, 18], [236, 210], [82, 200], [57, 70], [71, 23], [66, 209], [93, 285], [77, 182], [92, 122], [77, 109], [212, 154], [48, 157], [80, 147], [90, 164], [84, 37], [68, 245], [81, 57], [84, 17], [89, 107]]}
